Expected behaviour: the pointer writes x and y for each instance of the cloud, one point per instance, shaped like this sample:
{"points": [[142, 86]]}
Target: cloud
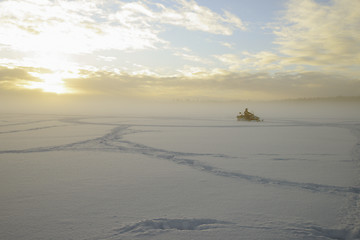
{"points": [[320, 34], [32, 78], [220, 85], [200, 84], [227, 44], [87, 26], [13, 78], [53, 34], [69, 27], [8, 74], [198, 18], [192, 57], [231, 60], [260, 61]]}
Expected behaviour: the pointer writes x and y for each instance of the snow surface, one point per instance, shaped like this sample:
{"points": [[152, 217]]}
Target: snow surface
{"points": [[195, 176]]}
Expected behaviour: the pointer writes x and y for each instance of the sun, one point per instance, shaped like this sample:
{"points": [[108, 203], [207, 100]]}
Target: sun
{"points": [[58, 68], [51, 82]]}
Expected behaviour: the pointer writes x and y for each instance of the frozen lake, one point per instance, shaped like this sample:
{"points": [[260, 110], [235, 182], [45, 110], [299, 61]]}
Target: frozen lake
{"points": [[101, 177]]}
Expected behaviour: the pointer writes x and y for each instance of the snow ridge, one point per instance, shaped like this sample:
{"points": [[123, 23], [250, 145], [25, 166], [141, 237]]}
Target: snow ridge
{"points": [[340, 234], [113, 141], [159, 225], [31, 129], [176, 224]]}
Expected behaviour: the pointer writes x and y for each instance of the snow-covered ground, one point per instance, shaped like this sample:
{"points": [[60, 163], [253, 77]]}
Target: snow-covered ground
{"points": [[185, 176]]}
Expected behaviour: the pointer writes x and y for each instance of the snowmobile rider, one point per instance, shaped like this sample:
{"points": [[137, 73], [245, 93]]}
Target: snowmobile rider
{"points": [[247, 113]]}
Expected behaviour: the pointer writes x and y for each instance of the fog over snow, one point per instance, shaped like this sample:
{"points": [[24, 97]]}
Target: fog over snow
{"points": [[171, 175]]}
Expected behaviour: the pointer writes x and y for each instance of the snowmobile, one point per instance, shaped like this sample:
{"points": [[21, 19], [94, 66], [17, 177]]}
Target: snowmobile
{"points": [[247, 116]]}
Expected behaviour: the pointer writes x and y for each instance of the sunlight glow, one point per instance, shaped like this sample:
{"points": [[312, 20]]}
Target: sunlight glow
{"points": [[52, 82], [58, 68]]}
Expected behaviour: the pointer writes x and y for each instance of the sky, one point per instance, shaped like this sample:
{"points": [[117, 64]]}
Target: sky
{"points": [[197, 50]]}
